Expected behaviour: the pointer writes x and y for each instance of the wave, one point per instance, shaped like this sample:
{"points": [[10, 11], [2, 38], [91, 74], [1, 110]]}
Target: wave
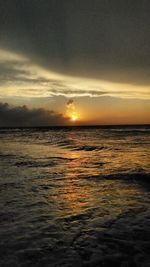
{"points": [[88, 148], [4, 155], [125, 133], [48, 162], [71, 145], [138, 175]]}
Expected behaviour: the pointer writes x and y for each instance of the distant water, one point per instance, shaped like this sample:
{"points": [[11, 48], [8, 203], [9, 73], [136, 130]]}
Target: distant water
{"points": [[75, 196]]}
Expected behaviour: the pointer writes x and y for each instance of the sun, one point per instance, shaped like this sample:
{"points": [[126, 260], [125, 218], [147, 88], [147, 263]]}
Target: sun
{"points": [[74, 117]]}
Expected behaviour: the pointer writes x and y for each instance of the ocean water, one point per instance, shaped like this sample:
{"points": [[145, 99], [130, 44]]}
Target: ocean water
{"points": [[75, 196]]}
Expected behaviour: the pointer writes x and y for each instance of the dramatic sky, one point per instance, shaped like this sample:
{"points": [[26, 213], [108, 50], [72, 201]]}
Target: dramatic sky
{"points": [[88, 57]]}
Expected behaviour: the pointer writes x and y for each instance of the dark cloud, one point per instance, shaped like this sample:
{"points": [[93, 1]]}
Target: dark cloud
{"points": [[19, 72], [11, 71], [70, 102], [107, 39], [11, 116]]}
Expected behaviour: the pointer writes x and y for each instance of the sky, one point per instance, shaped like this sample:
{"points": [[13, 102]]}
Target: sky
{"points": [[87, 58]]}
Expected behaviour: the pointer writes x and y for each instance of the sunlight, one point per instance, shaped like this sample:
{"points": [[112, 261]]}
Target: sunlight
{"points": [[74, 117]]}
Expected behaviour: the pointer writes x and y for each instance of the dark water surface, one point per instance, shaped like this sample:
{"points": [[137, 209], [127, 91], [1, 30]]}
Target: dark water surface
{"points": [[75, 196]]}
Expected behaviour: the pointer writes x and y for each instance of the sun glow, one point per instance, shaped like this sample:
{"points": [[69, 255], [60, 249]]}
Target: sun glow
{"points": [[74, 117]]}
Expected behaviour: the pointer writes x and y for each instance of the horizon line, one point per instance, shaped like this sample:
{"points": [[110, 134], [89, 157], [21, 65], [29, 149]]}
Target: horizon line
{"points": [[75, 126]]}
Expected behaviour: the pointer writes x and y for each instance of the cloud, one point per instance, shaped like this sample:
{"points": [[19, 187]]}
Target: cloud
{"points": [[107, 40], [11, 116], [69, 102], [70, 107], [19, 77]]}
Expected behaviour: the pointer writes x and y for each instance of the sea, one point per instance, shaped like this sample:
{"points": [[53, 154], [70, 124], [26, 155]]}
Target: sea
{"points": [[75, 196]]}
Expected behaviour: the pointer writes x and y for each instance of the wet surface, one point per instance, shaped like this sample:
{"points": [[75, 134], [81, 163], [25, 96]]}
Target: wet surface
{"points": [[77, 197]]}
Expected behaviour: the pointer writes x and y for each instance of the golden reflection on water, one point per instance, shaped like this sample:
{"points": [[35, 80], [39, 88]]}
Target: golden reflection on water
{"points": [[73, 194], [74, 164], [76, 195]]}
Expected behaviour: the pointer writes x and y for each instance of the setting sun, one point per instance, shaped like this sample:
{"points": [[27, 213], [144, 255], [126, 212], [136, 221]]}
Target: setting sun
{"points": [[74, 117]]}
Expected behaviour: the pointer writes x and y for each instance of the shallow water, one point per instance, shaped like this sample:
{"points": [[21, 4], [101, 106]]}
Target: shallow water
{"points": [[75, 196]]}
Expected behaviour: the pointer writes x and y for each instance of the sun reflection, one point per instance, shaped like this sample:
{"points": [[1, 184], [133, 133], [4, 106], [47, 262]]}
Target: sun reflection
{"points": [[74, 165], [76, 194], [76, 197]]}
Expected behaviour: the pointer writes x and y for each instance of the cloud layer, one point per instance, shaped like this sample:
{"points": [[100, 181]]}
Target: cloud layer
{"points": [[20, 77], [107, 40], [23, 116]]}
